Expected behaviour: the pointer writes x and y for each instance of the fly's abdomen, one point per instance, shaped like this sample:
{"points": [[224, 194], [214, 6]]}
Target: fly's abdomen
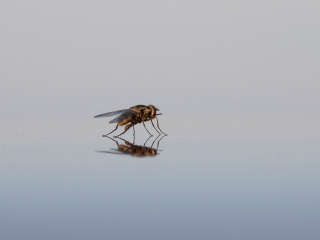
{"points": [[124, 122]]}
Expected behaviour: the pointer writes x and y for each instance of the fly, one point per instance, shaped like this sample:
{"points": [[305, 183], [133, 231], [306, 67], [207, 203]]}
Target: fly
{"points": [[132, 116]]}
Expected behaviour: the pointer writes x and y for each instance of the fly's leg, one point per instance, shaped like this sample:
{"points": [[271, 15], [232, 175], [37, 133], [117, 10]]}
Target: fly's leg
{"points": [[159, 127], [134, 134], [126, 129], [146, 129], [110, 132], [154, 127], [121, 133]]}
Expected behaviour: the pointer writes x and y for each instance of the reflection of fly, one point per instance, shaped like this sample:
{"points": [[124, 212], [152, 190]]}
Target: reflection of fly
{"points": [[135, 150], [133, 116]]}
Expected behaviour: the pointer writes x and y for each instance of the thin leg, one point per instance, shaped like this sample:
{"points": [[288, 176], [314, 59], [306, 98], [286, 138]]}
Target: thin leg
{"points": [[122, 139], [110, 132], [134, 135], [113, 140], [146, 128], [159, 127], [155, 140], [147, 141], [154, 127], [126, 142], [159, 141], [134, 132], [124, 131]]}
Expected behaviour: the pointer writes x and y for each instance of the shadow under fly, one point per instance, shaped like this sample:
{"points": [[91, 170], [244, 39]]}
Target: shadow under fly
{"points": [[132, 116], [134, 150]]}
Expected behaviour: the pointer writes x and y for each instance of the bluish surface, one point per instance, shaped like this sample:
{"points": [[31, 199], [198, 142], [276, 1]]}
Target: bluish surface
{"points": [[194, 188]]}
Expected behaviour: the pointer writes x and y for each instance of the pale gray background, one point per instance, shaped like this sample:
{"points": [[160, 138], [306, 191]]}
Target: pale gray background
{"points": [[78, 58], [237, 81]]}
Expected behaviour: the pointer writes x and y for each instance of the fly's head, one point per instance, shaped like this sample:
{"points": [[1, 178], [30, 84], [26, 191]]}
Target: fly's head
{"points": [[153, 112]]}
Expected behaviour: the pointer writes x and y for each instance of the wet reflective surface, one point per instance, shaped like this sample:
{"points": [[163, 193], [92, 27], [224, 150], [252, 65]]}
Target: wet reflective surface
{"points": [[198, 184]]}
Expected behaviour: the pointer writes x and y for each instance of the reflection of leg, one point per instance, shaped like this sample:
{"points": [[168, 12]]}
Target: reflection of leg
{"points": [[113, 140], [146, 128], [147, 141], [159, 141], [154, 127], [125, 129], [110, 132], [154, 140], [125, 141], [159, 127]]}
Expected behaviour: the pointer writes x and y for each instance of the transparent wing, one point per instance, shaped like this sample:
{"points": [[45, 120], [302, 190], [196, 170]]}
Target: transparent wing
{"points": [[109, 114], [123, 116]]}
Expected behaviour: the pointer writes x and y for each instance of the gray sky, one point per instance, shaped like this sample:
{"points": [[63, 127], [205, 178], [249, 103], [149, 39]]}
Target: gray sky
{"points": [[82, 58]]}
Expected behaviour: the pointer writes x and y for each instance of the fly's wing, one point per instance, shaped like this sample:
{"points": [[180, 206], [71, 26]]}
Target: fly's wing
{"points": [[109, 114], [125, 115]]}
